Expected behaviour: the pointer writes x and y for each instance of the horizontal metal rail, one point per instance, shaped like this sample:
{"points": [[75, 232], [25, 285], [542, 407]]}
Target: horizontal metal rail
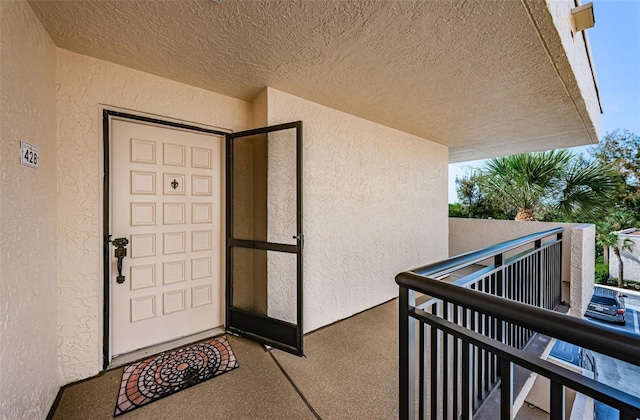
{"points": [[450, 265], [629, 405], [472, 330], [568, 328]]}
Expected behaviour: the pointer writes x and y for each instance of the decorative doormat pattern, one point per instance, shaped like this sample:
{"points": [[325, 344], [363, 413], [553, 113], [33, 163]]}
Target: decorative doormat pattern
{"points": [[160, 376]]}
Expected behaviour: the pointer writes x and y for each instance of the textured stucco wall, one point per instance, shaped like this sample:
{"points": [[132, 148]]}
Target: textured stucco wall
{"points": [[470, 234], [577, 54], [630, 260], [29, 377], [375, 204], [84, 84], [583, 258]]}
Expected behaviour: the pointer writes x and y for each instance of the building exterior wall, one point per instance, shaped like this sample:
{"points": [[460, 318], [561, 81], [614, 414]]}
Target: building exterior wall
{"points": [[576, 53], [29, 377], [583, 258], [630, 260], [578, 250], [368, 192], [375, 204], [84, 85]]}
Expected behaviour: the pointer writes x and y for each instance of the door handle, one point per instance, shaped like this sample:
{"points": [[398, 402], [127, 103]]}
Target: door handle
{"points": [[300, 238], [120, 253]]}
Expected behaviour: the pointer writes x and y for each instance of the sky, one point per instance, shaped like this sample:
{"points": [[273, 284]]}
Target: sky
{"points": [[615, 48]]}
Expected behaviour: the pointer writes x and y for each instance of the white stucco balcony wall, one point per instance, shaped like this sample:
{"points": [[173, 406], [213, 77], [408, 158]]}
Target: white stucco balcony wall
{"points": [[630, 258], [29, 377], [578, 250]]}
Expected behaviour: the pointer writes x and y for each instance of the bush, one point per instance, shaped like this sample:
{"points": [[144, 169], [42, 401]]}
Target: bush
{"points": [[602, 273], [613, 281], [631, 284]]}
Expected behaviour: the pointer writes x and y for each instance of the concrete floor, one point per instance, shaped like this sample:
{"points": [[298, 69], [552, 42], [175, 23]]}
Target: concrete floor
{"points": [[350, 372]]}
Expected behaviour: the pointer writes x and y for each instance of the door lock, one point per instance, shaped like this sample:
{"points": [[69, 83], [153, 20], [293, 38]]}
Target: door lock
{"points": [[120, 253], [300, 238]]}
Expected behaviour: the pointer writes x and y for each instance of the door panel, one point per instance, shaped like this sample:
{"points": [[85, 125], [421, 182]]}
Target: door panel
{"points": [[264, 235], [166, 200]]}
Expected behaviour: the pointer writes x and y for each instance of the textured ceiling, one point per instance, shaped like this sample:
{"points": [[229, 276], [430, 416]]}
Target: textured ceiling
{"points": [[473, 75]]}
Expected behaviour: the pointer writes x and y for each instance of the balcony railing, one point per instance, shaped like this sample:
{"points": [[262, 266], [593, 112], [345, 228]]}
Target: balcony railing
{"points": [[471, 332]]}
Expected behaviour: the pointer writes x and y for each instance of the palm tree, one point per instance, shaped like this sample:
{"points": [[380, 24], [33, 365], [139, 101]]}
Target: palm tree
{"points": [[556, 179], [611, 240], [612, 219]]}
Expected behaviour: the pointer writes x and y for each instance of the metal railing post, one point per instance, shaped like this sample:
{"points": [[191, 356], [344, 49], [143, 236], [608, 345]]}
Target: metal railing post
{"points": [[407, 359], [557, 401], [540, 272], [506, 390], [500, 290], [558, 276]]}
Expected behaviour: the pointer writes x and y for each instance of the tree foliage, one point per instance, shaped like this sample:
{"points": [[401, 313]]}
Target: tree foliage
{"points": [[474, 201], [613, 241], [558, 185], [620, 149], [557, 182]]}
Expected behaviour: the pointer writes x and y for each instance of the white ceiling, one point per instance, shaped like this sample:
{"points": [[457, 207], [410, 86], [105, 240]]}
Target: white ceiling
{"points": [[473, 75]]}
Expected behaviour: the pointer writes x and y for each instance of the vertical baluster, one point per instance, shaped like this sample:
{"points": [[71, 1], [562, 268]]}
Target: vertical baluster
{"points": [[407, 356], [422, 368], [557, 403], [474, 356], [494, 331], [445, 364], [545, 279], [435, 370], [525, 279], [479, 353], [558, 269], [506, 390], [487, 354], [519, 299], [467, 394], [538, 278], [456, 362]]}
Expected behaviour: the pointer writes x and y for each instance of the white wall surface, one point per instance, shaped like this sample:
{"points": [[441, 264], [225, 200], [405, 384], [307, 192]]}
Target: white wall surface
{"points": [[583, 259], [84, 85], [577, 258], [29, 377], [375, 204], [630, 260]]}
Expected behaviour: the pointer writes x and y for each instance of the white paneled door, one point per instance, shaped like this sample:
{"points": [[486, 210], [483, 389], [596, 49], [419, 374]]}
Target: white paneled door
{"points": [[166, 201]]}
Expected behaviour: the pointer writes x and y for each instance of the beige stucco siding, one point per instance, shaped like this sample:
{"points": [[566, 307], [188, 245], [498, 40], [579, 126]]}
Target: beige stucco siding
{"points": [[578, 249], [28, 270], [375, 204], [630, 259], [576, 52], [375, 198], [84, 85]]}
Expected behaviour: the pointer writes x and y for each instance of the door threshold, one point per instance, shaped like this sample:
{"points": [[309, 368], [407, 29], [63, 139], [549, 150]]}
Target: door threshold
{"points": [[127, 358]]}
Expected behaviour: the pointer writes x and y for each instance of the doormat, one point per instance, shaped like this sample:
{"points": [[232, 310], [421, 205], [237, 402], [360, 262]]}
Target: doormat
{"points": [[160, 376]]}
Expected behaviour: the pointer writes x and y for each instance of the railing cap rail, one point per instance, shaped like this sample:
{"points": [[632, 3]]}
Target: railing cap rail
{"points": [[473, 257]]}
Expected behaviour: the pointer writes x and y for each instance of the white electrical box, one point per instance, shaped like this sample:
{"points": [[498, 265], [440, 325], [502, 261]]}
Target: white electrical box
{"points": [[29, 154]]}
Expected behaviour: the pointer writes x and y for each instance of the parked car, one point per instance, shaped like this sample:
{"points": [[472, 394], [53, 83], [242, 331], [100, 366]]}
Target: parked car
{"points": [[575, 355], [607, 305]]}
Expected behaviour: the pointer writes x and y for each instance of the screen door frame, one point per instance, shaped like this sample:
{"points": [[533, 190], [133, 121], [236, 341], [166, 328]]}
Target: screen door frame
{"points": [[262, 328]]}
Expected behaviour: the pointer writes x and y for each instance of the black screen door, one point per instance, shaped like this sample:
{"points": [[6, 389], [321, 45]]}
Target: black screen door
{"points": [[264, 235]]}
